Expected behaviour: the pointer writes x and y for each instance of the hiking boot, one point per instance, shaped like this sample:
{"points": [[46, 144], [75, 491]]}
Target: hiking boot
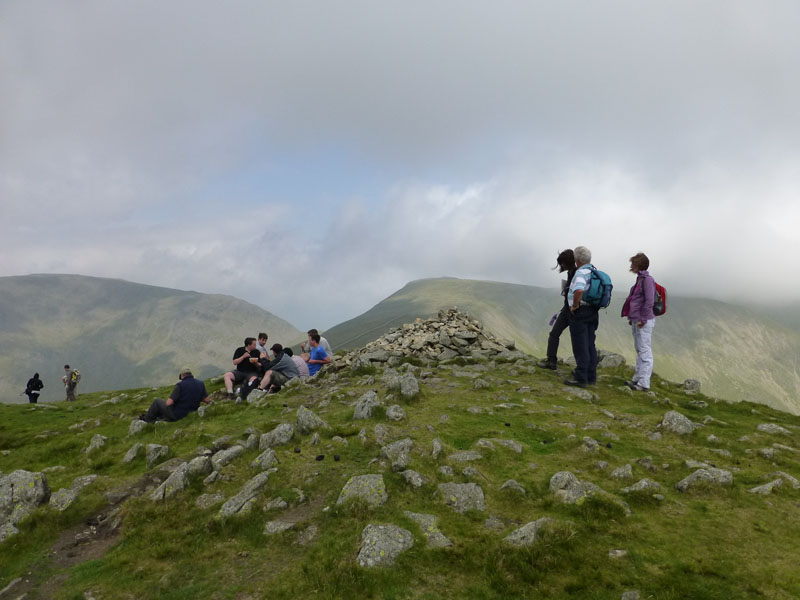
{"points": [[142, 417], [631, 384], [638, 388], [575, 383], [230, 395], [547, 364]]}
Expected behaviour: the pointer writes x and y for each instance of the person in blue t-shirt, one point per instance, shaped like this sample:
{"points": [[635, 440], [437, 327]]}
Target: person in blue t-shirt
{"points": [[185, 398], [317, 357]]}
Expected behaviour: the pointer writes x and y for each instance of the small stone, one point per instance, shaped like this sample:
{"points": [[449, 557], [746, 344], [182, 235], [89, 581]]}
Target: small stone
{"points": [[413, 478], [446, 471], [206, 501], [156, 453], [395, 413], [617, 553], [512, 484], [709, 475], [437, 448], [624, 472], [274, 527], [131, 454], [527, 534], [465, 456], [767, 488], [773, 428], [382, 544]]}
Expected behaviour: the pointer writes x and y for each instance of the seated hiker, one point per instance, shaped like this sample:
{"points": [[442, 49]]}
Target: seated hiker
{"points": [[279, 371], [322, 342], [317, 357], [261, 345], [246, 361], [185, 398], [301, 365]]}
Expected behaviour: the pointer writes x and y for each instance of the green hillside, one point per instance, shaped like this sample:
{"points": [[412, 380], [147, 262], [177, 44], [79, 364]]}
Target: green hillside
{"points": [[117, 333], [504, 431], [738, 353]]}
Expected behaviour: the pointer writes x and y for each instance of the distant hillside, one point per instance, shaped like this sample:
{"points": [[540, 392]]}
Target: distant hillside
{"points": [[117, 333], [737, 353]]}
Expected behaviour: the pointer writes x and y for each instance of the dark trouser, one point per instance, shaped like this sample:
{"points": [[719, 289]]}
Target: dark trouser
{"points": [[159, 410], [582, 328], [71, 393], [32, 397], [562, 322]]}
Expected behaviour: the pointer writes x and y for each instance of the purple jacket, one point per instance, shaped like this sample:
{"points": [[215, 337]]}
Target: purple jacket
{"points": [[640, 300]]}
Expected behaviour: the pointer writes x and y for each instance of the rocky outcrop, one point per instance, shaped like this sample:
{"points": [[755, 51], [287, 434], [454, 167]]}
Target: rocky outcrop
{"points": [[369, 488], [21, 492], [63, 498], [462, 497]]}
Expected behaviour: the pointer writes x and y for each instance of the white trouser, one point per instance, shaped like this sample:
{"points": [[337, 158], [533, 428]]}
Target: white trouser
{"points": [[643, 342]]}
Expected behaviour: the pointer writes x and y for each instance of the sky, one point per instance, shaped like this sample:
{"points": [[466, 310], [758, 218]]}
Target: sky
{"points": [[314, 157]]}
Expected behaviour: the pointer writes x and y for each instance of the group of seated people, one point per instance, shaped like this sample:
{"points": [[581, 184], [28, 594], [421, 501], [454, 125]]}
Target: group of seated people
{"points": [[253, 368]]}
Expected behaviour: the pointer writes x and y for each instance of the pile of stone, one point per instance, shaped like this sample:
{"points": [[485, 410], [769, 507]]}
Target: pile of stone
{"points": [[449, 335]]}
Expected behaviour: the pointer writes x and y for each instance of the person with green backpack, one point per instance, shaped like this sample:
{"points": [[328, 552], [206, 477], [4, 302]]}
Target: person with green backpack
{"points": [[71, 379]]}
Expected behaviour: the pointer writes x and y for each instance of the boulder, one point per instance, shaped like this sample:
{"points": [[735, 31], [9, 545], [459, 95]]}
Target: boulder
{"points": [[527, 534], [206, 501], [132, 453], [382, 544], [225, 457], [429, 524], [366, 405], [643, 485], [395, 413], [176, 482], [21, 492], [413, 478], [398, 453], [137, 426], [608, 360], [245, 499], [63, 498], [199, 466], [767, 488], [773, 428], [265, 460], [409, 386], [624, 472], [155, 454], [676, 423], [279, 436], [709, 475], [369, 488], [465, 456], [462, 497], [691, 386], [787, 478], [308, 422], [98, 441], [437, 448], [569, 489]]}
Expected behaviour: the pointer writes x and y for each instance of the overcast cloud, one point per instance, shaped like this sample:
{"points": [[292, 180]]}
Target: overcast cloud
{"points": [[313, 157]]}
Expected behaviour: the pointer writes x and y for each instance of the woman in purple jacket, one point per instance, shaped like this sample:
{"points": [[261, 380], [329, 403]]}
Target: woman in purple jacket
{"points": [[638, 308]]}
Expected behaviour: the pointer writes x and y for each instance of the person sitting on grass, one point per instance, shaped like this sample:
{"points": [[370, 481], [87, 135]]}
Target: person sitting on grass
{"points": [[279, 371], [317, 358], [245, 359], [302, 366], [185, 398]]}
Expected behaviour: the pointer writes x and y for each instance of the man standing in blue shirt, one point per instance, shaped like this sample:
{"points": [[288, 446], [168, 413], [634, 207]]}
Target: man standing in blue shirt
{"points": [[185, 398], [318, 357], [583, 322]]}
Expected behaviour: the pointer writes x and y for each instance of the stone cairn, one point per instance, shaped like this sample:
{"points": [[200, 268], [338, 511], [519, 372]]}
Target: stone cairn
{"points": [[451, 334]]}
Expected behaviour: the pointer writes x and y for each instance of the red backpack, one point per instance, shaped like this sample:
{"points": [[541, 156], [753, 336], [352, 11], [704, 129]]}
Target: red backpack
{"points": [[660, 300]]}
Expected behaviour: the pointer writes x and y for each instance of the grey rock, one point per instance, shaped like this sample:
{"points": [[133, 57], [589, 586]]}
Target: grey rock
{"points": [[579, 393], [699, 404], [721, 452], [155, 454], [63, 498], [369, 488], [773, 428], [643, 485], [137, 426], [446, 471], [712, 439], [437, 448], [225, 457], [694, 464], [624, 472], [279, 436], [398, 453], [377, 356], [206, 501], [307, 421], [382, 544], [201, 410], [21, 492], [480, 384], [429, 524], [654, 437], [494, 524], [199, 466], [380, 432], [131, 454], [527, 534], [619, 553], [595, 425], [176, 482], [366, 405], [308, 535], [569, 489], [413, 478], [265, 460], [471, 473], [513, 484], [676, 423], [767, 488], [212, 478], [590, 445], [786, 477], [245, 499], [251, 441], [709, 475], [409, 386], [98, 441], [315, 438], [691, 386], [465, 456], [607, 360], [276, 504], [630, 595], [483, 443], [462, 497], [768, 453], [277, 526], [475, 410], [395, 413], [601, 465]]}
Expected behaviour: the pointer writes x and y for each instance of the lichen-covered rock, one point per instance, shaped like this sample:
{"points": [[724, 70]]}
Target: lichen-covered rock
{"points": [[395, 413], [609, 360], [225, 457], [277, 526], [98, 441], [430, 529], [369, 488], [676, 423], [465, 456], [382, 544], [366, 405], [409, 386], [437, 448], [767, 488], [21, 492], [787, 478], [137, 426], [623, 472], [199, 466], [308, 422], [643, 485], [413, 478], [206, 501], [244, 500], [63, 498], [176, 482], [527, 534], [156, 453], [709, 475], [513, 445], [569, 489], [132, 453], [279, 436], [446, 471], [399, 453], [462, 497], [773, 428], [691, 386], [265, 460]]}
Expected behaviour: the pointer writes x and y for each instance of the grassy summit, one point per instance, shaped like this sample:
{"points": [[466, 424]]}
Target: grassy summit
{"points": [[708, 542]]}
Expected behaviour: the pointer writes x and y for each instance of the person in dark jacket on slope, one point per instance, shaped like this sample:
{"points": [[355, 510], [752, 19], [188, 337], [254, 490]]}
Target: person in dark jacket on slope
{"points": [[565, 263], [33, 387]]}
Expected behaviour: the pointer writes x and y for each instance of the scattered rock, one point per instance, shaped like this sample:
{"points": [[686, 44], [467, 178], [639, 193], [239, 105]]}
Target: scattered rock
{"points": [[465, 456], [699, 404], [512, 484], [691, 386], [176, 482], [63, 498], [307, 421], [276, 504], [526, 535], [643, 485], [786, 477], [206, 501], [21, 492], [369, 488], [430, 529], [225, 457], [382, 544], [155, 454], [279, 436], [510, 444], [569, 489], [773, 428], [409, 386], [305, 537], [98, 441], [366, 405], [708, 475], [395, 413], [619, 553], [437, 448], [624, 472], [413, 478], [398, 453], [446, 471], [462, 497], [265, 460], [677, 423], [277, 526], [137, 426], [767, 488], [494, 524], [244, 500], [131, 454]]}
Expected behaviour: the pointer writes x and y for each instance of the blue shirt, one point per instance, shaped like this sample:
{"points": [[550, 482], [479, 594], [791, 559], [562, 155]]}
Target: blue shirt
{"points": [[580, 281], [317, 353]]}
